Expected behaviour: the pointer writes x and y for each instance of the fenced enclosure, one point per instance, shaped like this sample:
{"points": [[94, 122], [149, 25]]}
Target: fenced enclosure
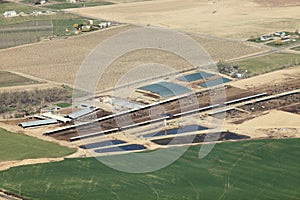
{"points": [[24, 33]]}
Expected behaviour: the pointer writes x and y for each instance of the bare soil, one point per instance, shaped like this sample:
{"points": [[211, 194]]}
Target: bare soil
{"points": [[60, 66], [231, 18]]}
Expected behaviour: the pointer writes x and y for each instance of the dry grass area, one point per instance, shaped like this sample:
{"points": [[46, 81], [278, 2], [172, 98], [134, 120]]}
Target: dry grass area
{"points": [[230, 18], [222, 49], [59, 60]]}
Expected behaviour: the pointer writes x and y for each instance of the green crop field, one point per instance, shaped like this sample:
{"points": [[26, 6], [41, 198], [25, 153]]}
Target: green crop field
{"points": [[268, 63], [9, 79], [265, 169], [14, 146]]}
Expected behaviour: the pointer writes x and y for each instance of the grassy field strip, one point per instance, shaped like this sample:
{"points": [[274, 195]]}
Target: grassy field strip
{"points": [[14, 146], [296, 48], [268, 63], [8, 79], [262, 169]]}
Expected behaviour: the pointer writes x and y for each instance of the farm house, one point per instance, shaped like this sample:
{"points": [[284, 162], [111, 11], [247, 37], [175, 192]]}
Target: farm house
{"points": [[10, 13]]}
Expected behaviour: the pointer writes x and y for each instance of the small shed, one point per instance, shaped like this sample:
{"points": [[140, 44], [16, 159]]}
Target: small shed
{"points": [[10, 13]]}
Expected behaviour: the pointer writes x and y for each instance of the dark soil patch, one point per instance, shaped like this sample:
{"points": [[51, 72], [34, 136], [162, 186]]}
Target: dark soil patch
{"points": [[200, 138]]}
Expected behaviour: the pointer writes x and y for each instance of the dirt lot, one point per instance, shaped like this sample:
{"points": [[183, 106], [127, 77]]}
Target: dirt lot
{"points": [[230, 18], [273, 124]]}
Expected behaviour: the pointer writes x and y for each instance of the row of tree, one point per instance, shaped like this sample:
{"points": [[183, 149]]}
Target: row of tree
{"points": [[231, 70], [32, 101]]}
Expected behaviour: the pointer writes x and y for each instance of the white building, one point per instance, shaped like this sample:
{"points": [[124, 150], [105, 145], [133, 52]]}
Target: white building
{"points": [[10, 13]]}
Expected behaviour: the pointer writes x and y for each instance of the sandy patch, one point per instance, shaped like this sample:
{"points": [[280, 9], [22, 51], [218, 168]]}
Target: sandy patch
{"points": [[274, 124]]}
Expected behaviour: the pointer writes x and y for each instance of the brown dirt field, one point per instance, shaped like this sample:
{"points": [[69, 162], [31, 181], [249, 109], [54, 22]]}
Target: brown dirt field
{"points": [[60, 66], [294, 108], [57, 60], [230, 18]]}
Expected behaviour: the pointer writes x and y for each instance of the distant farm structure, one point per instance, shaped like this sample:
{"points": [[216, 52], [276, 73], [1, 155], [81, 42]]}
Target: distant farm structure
{"points": [[90, 26], [278, 38]]}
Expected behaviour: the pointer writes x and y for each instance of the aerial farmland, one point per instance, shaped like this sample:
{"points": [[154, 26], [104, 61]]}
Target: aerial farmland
{"points": [[156, 99]]}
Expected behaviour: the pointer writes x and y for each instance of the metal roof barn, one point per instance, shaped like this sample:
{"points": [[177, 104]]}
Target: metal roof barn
{"points": [[166, 89], [126, 103], [38, 123], [195, 77], [214, 82], [81, 112], [57, 117]]}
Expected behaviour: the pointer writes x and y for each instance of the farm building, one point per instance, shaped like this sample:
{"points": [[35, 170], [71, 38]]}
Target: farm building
{"points": [[165, 89], [10, 13], [280, 34], [105, 24], [38, 123], [266, 38], [195, 77], [215, 82], [82, 112]]}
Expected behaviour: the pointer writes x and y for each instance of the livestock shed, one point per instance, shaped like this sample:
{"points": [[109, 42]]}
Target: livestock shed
{"points": [[38, 123], [82, 112], [195, 77], [211, 83], [57, 117], [125, 103], [220, 111], [166, 89]]}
